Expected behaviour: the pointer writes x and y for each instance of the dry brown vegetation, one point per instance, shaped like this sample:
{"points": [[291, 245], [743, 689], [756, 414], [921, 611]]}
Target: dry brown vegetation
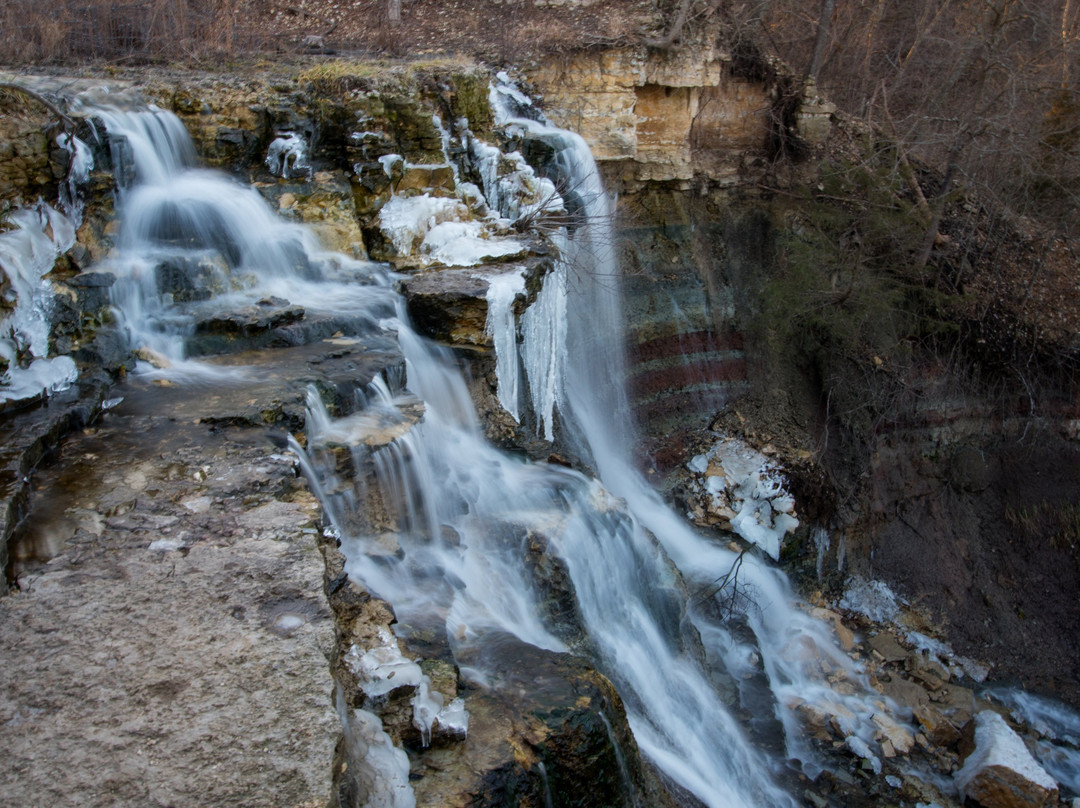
{"points": [[136, 31], [986, 91]]}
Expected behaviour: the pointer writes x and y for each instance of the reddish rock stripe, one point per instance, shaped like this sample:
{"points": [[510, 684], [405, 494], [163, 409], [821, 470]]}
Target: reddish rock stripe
{"points": [[677, 345], [681, 404], [649, 383]]}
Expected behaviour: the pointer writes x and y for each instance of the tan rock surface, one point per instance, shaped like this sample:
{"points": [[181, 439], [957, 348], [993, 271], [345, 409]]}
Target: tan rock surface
{"points": [[173, 650]]}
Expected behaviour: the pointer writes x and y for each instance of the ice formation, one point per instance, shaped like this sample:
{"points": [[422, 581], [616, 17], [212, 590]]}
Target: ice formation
{"points": [[543, 327], [742, 482], [81, 163], [382, 768], [439, 230], [501, 326], [389, 162], [287, 156], [384, 668], [27, 254]]}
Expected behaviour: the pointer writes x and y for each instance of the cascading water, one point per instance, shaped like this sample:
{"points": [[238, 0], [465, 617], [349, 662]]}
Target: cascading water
{"points": [[195, 243], [616, 573], [467, 514]]}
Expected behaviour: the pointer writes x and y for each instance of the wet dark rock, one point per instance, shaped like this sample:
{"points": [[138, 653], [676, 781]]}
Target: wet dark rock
{"points": [[451, 304], [448, 305], [29, 435], [553, 582], [568, 737], [92, 279], [267, 314], [187, 279], [194, 226], [107, 349]]}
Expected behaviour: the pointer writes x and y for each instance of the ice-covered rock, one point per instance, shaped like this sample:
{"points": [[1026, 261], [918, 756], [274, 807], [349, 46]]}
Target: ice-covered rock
{"points": [[27, 253], [426, 230], [1001, 773], [383, 667], [744, 489]]}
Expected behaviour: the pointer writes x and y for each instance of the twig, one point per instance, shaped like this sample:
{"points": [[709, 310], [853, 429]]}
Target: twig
{"points": [[49, 105]]}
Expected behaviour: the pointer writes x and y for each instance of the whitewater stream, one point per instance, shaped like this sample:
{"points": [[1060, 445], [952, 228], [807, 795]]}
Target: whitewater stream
{"points": [[676, 646]]}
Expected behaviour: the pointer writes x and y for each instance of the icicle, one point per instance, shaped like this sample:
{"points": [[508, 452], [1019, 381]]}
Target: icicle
{"points": [[502, 328]]}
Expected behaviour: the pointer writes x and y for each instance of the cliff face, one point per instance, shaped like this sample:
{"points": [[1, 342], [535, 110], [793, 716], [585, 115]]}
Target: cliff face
{"points": [[663, 116], [922, 432]]}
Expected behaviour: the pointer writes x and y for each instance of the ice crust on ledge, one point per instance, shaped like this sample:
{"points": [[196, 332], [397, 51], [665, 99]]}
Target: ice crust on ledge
{"points": [[41, 376], [466, 244], [383, 667], [438, 230], [875, 600]]}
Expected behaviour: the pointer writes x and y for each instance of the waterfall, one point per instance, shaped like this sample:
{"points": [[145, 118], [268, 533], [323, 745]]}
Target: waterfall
{"points": [[463, 518], [194, 243], [674, 709]]}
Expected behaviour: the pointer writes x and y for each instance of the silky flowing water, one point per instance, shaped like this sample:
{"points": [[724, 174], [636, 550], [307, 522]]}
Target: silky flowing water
{"points": [[466, 514]]}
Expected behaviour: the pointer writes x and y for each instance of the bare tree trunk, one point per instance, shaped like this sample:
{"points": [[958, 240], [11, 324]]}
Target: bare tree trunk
{"points": [[931, 235], [676, 27], [824, 26]]}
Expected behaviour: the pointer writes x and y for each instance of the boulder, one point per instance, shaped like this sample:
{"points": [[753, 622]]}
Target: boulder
{"points": [[937, 728], [1000, 772]]}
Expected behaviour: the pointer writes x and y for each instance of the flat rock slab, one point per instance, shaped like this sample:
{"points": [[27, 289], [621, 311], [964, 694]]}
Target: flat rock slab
{"points": [[173, 651]]}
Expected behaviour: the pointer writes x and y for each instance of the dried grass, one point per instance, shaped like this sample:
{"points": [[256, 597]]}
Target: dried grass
{"points": [[122, 31]]}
